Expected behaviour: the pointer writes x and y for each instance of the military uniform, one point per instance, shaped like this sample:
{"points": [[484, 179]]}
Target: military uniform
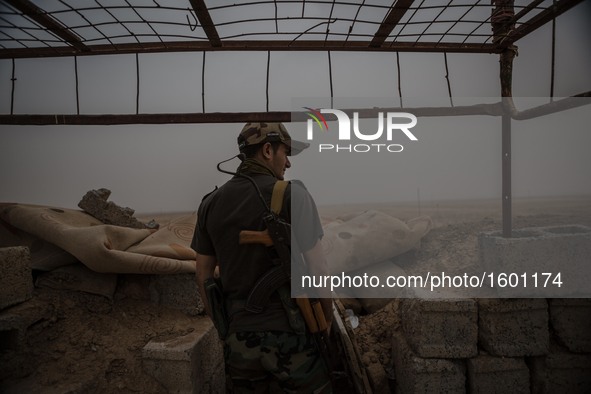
{"points": [[261, 350]]}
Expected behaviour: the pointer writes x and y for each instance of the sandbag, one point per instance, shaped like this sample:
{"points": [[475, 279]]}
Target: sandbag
{"points": [[369, 238]]}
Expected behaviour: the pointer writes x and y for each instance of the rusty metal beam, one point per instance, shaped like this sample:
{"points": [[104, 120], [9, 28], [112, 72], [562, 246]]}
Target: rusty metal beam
{"points": [[283, 45], [218, 117], [206, 22], [564, 104], [394, 16], [494, 109], [524, 11], [541, 19], [40, 16], [232, 117]]}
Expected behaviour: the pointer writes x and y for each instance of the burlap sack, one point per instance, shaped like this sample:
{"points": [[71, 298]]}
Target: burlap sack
{"points": [[172, 240], [45, 256], [369, 238], [102, 248]]}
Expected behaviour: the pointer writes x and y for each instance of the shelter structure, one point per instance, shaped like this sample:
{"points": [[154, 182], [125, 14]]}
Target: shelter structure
{"points": [[67, 28]]}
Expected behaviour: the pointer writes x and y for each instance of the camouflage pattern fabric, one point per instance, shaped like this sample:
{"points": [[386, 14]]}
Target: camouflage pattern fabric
{"points": [[274, 361], [258, 133]]}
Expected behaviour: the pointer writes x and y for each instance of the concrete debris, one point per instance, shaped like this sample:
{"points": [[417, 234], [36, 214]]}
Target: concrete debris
{"points": [[95, 203], [15, 321], [16, 281], [192, 363]]}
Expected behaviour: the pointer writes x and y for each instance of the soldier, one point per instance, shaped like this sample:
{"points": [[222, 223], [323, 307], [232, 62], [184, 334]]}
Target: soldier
{"points": [[268, 351]]}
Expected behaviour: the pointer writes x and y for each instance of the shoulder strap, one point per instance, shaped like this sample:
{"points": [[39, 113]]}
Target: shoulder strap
{"points": [[277, 196]]}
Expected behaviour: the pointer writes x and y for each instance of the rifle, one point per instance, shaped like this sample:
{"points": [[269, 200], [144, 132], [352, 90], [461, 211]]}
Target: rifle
{"points": [[310, 308]]}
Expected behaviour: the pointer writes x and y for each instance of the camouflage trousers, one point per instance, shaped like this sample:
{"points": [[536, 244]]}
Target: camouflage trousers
{"points": [[274, 361]]}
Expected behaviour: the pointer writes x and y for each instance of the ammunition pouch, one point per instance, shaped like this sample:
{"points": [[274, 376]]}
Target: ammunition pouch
{"points": [[215, 299]]}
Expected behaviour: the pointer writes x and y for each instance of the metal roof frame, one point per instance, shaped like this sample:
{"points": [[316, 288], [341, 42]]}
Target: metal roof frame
{"points": [[203, 35], [47, 34]]}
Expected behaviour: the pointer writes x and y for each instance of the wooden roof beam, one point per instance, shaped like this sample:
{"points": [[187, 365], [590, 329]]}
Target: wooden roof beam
{"points": [[206, 22], [394, 16], [41, 17]]}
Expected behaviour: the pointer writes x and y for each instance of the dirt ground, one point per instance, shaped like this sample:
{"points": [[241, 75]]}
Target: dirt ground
{"points": [[89, 344]]}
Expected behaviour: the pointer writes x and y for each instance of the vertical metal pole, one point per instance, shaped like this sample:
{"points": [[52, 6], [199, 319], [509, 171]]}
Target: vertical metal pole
{"points": [[77, 92], [137, 84], [506, 174], [451, 100], [13, 79], [203, 84], [553, 57], [399, 78], [268, 64], [504, 12], [330, 79]]}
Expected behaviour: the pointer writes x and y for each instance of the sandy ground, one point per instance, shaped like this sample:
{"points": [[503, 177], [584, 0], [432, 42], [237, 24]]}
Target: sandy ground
{"points": [[87, 343]]}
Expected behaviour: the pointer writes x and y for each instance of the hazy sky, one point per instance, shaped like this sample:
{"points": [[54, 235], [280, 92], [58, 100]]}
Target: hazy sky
{"points": [[164, 168]]}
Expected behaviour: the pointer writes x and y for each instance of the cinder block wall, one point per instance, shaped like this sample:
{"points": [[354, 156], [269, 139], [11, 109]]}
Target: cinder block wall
{"points": [[192, 363], [493, 346]]}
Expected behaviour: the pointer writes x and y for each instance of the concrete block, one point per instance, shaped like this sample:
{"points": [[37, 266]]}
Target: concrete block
{"points": [[177, 291], [570, 319], [513, 327], [425, 375], [188, 364], [15, 321], [377, 377], [561, 373], [441, 328], [78, 277], [488, 374], [562, 251], [16, 281]]}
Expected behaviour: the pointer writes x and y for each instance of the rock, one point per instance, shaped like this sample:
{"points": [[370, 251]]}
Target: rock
{"points": [[95, 203]]}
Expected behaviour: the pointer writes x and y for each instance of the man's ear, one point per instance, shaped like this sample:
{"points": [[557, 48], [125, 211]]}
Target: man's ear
{"points": [[267, 150]]}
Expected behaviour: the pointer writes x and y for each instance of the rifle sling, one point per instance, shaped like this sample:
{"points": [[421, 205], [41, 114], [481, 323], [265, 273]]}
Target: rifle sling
{"points": [[277, 196], [261, 292]]}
